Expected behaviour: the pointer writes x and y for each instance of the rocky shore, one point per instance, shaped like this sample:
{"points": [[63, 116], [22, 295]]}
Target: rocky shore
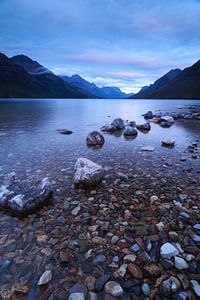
{"points": [[123, 230]]}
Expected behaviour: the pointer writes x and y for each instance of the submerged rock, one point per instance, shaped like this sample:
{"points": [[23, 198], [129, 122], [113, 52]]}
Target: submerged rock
{"points": [[168, 250], [45, 278], [95, 138], [32, 199], [87, 173], [64, 131]]}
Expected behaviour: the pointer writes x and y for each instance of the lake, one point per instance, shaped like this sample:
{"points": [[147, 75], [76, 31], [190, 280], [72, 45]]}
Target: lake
{"points": [[55, 239]]}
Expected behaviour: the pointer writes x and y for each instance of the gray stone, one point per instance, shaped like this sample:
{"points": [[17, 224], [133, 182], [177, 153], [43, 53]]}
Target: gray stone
{"points": [[87, 173], [118, 123], [196, 287], [113, 288], [130, 131], [95, 138], [76, 296], [45, 278], [180, 263], [168, 250]]}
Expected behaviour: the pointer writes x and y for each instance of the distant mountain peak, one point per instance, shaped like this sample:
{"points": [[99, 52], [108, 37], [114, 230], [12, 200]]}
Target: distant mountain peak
{"points": [[29, 65]]}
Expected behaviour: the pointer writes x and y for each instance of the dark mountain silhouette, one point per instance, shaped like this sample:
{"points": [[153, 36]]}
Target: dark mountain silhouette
{"points": [[21, 77], [176, 84], [146, 91], [104, 92]]}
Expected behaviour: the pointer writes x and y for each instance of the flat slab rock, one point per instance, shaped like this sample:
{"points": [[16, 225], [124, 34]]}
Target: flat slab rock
{"points": [[25, 197]]}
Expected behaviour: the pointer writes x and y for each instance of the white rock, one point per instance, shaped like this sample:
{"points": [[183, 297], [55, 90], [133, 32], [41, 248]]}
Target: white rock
{"points": [[196, 287], [87, 172], [130, 257], [45, 183], [4, 192], [75, 211], [45, 278], [76, 296], [154, 198], [120, 273], [148, 148], [168, 119], [17, 200], [180, 263], [160, 226], [113, 288], [168, 250]]}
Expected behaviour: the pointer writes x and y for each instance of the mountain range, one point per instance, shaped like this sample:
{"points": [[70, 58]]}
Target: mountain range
{"points": [[21, 77], [176, 84]]}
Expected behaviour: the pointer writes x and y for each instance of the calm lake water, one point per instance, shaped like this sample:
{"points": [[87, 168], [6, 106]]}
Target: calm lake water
{"points": [[29, 141]]}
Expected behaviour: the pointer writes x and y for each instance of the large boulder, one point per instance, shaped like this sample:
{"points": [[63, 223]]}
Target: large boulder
{"points": [[87, 173], [130, 131], [95, 138], [118, 124], [25, 198], [144, 127]]}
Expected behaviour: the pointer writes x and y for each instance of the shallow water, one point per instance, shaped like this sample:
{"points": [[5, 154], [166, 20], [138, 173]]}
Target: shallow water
{"points": [[28, 136], [31, 146]]}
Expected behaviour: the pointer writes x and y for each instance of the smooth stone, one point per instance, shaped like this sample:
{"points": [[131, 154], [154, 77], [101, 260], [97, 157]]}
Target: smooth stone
{"points": [[130, 258], [99, 259], [100, 282], [148, 115], [118, 123], [148, 148], [168, 143], [75, 211], [87, 173], [64, 131], [114, 239], [196, 287], [135, 248], [196, 226], [184, 215], [144, 127], [195, 237], [168, 250], [113, 288], [45, 278], [130, 131], [135, 271], [76, 296], [95, 138], [180, 263], [146, 289], [120, 273]]}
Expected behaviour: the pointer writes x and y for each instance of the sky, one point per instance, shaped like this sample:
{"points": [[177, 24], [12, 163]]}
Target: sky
{"points": [[124, 43]]}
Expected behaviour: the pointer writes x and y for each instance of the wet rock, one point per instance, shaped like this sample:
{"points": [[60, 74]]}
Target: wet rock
{"points": [[99, 259], [108, 128], [45, 278], [168, 143], [32, 199], [87, 173], [76, 296], [64, 131], [168, 250], [120, 273], [196, 226], [118, 124], [95, 138], [148, 148], [196, 287], [144, 127], [167, 121], [135, 271], [148, 115], [180, 263], [101, 281], [113, 288], [146, 289], [130, 131]]}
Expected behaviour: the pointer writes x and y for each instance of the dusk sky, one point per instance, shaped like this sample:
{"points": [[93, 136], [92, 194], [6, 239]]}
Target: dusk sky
{"points": [[124, 43]]}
